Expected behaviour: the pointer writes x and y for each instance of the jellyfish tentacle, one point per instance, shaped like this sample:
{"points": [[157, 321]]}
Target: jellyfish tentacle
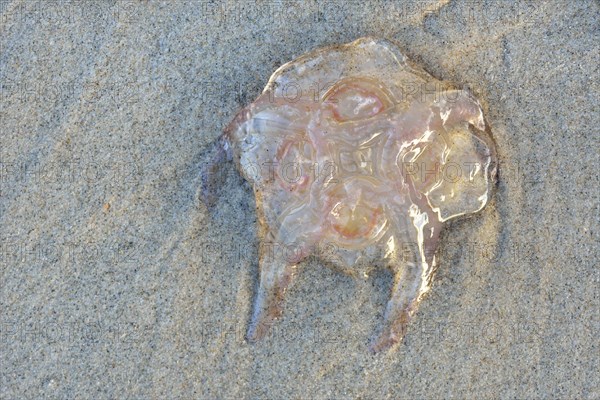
{"points": [[411, 281], [413, 265], [278, 268], [268, 305]]}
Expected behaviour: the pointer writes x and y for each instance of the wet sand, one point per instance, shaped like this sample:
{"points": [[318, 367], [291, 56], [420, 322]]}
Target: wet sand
{"points": [[117, 282]]}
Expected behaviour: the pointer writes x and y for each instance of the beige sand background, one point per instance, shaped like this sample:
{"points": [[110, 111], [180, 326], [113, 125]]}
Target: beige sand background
{"points": [[117, 283]]}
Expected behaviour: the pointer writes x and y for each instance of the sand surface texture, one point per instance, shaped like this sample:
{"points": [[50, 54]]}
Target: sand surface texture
{"points": [[116, 282]]}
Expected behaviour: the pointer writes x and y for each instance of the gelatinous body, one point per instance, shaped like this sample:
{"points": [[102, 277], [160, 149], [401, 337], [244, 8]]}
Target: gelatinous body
{"points": [[353, 147]]}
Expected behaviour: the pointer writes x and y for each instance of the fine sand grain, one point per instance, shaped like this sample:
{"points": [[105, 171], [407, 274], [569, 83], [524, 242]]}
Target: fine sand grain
{"points": [[116, 282]]}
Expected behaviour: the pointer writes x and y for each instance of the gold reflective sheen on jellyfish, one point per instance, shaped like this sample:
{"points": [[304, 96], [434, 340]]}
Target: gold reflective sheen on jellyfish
{"points": [[355, 147]]}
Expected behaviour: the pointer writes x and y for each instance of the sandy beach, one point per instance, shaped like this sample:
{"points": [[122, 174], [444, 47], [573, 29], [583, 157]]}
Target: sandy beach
{"points": [[116, 281]]}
